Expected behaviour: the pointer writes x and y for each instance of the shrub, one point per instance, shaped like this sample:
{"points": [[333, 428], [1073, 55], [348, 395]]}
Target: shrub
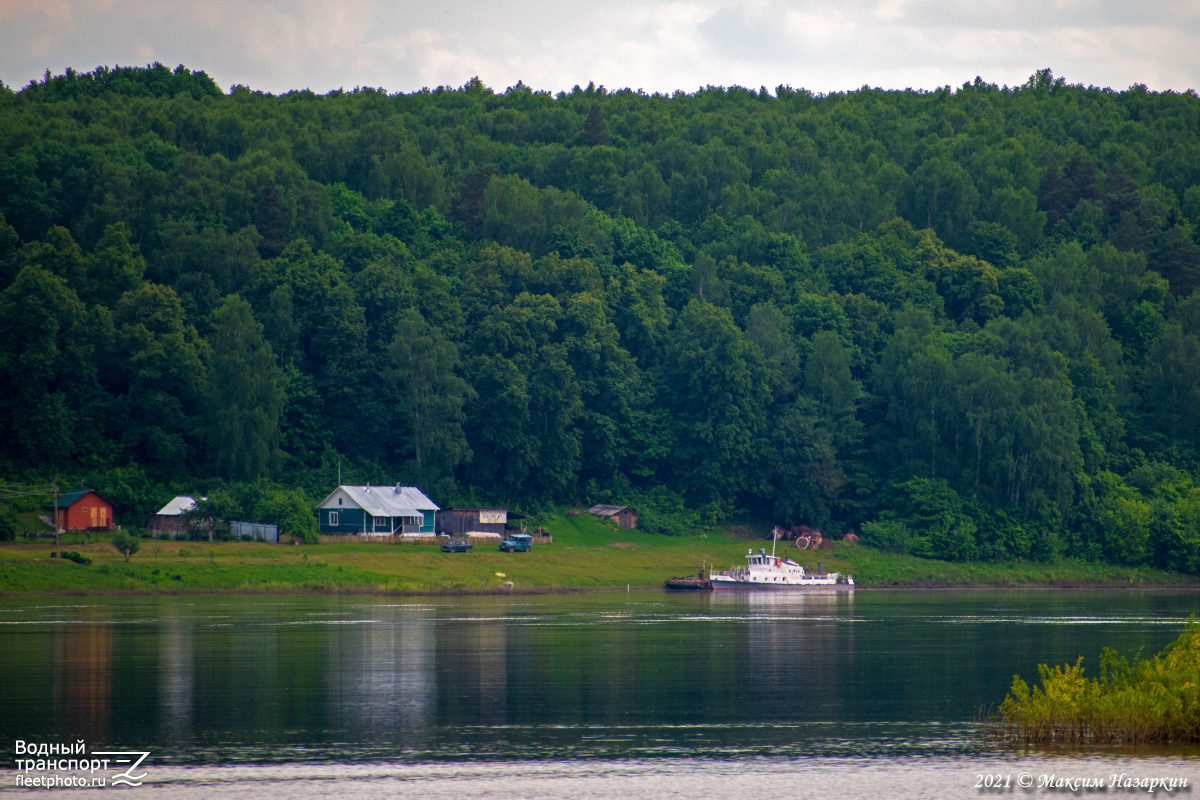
{"points": [[126, 545], [886, 534], [77, 557], [8, 525], [1155, 700]]}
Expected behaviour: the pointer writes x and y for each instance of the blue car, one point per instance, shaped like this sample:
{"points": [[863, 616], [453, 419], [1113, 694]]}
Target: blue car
{"points": [[517, 543]]}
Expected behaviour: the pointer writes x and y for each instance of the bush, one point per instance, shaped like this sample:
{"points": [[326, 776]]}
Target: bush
{"points": [[126, 545], [8, 525], [77, 557], [886, 534], [1151, 701]]}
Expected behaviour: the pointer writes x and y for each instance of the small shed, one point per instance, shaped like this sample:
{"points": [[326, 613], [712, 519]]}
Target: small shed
{"points": [[624, 516], [170, 518], [81, 510], [460, 521]]}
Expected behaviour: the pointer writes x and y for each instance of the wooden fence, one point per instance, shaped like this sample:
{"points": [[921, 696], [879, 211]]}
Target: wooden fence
{"points": [[478, 541]]}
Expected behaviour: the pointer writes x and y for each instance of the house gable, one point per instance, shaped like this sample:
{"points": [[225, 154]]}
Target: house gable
{"points": [[379, 510]]}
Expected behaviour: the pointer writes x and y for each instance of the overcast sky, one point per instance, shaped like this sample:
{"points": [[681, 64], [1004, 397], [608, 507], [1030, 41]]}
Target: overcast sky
{"points": [[655, 46]]}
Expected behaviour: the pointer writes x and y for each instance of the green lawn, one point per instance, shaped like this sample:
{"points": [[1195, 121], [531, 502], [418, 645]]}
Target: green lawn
{"points": [[586, 554]]}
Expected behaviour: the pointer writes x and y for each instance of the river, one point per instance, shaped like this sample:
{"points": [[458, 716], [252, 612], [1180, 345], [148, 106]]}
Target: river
{"points": [[565, 696]]}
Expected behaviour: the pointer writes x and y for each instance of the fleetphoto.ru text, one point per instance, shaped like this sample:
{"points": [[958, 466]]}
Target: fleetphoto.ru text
{"points": [[42, 765]]}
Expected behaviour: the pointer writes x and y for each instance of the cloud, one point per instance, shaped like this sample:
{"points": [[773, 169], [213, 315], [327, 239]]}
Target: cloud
{"points": [[278, 45]]}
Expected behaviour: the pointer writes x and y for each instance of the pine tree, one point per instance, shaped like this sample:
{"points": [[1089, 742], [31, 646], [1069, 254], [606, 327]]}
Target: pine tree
{"points": [[595, 132]]}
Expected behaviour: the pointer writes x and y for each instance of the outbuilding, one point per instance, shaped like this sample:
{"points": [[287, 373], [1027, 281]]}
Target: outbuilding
{"points": [[461, 521], [83, 509], [624, 516], [377, 510], [170, 518]]}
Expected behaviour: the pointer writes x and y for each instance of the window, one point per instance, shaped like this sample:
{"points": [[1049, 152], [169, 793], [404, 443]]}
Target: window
{"points": [[333, 519], [339, 501], [381, 522]]}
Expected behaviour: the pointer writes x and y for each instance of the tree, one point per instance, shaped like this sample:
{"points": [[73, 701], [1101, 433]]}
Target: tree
{"points": [[939, 195], [125, 544], [1172, 377], [717, 388], [42, 353], [430, 398], [245, 395], [115, 266], [8, 524], [595, 132], [159, 376]]}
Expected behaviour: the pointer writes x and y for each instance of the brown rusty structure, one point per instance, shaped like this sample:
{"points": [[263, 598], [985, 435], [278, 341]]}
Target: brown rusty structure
{"points": [[623, 516], [461, 521]]}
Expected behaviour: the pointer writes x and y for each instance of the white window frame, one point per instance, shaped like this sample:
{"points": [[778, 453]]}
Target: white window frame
{"points": [[333, 519]]}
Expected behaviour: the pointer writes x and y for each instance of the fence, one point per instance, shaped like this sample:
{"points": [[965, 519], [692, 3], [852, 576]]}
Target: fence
{"points": [[362, 538], [254, 530]]}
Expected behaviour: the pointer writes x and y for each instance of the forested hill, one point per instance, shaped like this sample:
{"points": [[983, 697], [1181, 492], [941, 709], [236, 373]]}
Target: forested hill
{"points": [[961, 321]]}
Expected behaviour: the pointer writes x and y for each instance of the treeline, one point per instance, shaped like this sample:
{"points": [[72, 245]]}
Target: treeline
{"points": [[962, 321]]}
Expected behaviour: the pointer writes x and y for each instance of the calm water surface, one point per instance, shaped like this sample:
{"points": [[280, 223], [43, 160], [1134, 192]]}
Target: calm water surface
{"points": [[606, 695]]}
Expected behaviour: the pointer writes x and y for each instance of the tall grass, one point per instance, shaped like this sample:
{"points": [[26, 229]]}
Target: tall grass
{"points": [[1154, 701]]}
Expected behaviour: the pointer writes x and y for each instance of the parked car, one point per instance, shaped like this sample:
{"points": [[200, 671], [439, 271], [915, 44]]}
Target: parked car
{"points": [[457, 546], [517, 543]]}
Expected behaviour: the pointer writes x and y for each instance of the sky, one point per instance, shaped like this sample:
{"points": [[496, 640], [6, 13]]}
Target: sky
{"points": [[654, 46]]}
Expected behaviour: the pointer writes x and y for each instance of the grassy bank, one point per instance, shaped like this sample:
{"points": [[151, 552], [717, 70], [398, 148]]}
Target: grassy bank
{"points": [[586, 555], [1153, 701]]}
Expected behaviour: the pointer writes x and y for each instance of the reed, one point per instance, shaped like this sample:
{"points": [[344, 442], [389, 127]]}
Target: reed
{"points": [[1153, 701]]}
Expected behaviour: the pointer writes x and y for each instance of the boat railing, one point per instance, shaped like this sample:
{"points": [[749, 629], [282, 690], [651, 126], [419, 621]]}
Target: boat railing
{"points": [[734, 573]]}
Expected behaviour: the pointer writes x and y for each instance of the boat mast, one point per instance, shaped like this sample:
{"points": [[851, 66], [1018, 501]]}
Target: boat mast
{"points": [[774, 538]]}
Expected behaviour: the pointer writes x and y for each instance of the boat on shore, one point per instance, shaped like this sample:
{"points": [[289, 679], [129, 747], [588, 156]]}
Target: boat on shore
{"points": [[765, 572], [691, 583]]}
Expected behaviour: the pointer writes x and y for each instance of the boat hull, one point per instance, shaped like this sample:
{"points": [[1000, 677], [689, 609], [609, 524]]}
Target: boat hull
{"points": [[720, 585], [687, 585]]}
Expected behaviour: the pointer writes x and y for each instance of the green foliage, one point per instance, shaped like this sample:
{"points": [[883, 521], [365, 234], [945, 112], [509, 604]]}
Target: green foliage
{"points": [[126, 544], [8, 524], [77, 557], [245, 395], [1154, 700], [796, 306]]}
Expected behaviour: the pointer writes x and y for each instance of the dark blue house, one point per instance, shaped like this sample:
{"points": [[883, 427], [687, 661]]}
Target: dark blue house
{"points": [[376, 510]]}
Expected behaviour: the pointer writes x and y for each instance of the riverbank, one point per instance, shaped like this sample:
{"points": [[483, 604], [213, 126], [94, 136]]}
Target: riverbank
{"points": [[586, 555]]}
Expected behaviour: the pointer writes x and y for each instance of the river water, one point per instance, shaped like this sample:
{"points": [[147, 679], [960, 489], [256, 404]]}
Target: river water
{"points": [[566, 696]]}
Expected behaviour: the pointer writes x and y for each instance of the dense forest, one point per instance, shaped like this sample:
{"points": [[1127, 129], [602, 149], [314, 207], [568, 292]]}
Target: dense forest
{"points": [[963, 322]]}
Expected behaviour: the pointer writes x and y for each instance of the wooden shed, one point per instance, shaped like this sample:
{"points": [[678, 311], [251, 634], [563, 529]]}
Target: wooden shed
{"points": [[623, 516], [83, 509], [460, 521], [171, 518]]}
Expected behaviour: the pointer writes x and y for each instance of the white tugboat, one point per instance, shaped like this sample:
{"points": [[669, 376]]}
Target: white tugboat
{"points": [[770, 572]]}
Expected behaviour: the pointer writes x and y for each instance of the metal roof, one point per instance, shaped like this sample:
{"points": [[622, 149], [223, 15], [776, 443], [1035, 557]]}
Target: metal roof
{"points": [[384, 501], [177, 506], [606, 511], [67, 499]]}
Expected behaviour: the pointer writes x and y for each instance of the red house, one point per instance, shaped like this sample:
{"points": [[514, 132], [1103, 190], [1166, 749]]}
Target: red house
{"points": [[83, 509]]}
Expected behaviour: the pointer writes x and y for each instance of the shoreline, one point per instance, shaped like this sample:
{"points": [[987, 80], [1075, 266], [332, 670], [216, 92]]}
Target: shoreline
{"points": [[586, 556], [532, 590]]}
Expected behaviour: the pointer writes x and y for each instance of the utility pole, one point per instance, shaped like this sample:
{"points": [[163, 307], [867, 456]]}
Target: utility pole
{"points": [[57, 527]]}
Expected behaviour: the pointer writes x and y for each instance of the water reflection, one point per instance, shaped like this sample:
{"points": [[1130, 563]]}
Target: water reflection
{"points": [[176, 681], [270, 677], [83, 672]]}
